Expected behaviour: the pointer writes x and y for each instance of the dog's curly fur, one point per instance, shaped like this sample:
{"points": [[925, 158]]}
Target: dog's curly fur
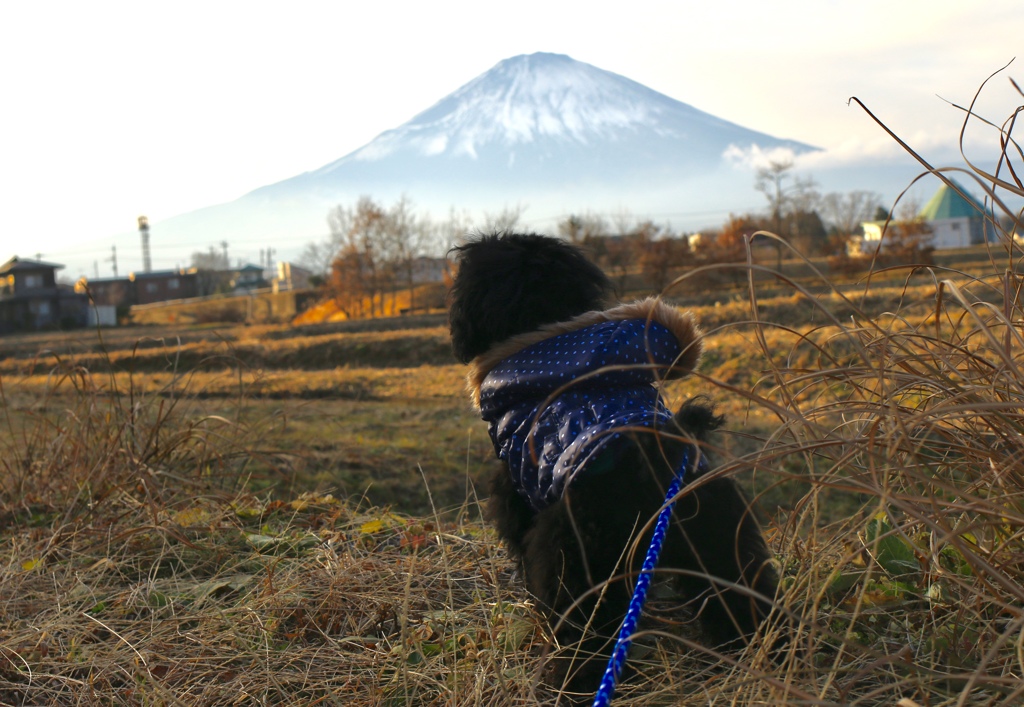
{"points": [[508, 284]]}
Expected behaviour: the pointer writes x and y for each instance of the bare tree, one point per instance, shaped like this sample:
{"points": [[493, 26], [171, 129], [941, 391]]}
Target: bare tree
{"points": [[450, 233], [210, 260], [730, 243], [348, 283], [623, 222], [844, 214], [770, 181], [664, 252], [318, 256], [505, 220], [358, 236], [347, 270], [578, 229], [376, 253], [211, 271], [786, 195], [453, 230], [909, 237], [371, 230], [624, 249], [571, 229], [410, 236]]}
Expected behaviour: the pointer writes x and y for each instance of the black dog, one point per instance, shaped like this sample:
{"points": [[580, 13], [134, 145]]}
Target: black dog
{"points": [[590, 448]]}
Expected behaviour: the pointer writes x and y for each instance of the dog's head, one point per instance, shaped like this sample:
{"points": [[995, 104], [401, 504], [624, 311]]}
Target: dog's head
{"points": [[510, 283]]}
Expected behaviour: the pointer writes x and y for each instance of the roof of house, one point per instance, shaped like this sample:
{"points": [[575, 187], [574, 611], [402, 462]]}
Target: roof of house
{"points": [[952, 203], [102, 280], [17, 263], [156, 274]]}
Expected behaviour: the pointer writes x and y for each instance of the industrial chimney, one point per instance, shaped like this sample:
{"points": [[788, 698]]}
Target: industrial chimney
{"points": [[147, 265]]}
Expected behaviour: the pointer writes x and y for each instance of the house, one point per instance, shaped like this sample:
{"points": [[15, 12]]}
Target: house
{"points": [[955, 218], [115, 292], [163, 285], [290, 277], [31, 299], [110, 298], [247, 278]]}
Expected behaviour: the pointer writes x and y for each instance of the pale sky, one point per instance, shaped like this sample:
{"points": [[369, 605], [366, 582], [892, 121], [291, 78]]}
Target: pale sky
{"points": [[115, 109]]}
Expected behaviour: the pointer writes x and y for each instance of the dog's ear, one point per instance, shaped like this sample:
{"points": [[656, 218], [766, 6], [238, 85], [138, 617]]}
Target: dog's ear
{"points": [[510, 283]]}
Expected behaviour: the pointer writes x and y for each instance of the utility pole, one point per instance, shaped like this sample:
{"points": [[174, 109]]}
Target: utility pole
{"points": [[96, 268], [147, 264], [113, 258], [224, 245]]}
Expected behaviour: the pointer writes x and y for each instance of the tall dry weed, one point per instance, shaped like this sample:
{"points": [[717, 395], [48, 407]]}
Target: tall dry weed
{"points": [[915, 417]]}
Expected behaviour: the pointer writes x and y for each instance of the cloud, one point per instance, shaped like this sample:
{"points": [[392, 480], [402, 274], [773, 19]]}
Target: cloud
{"points": [[755, 157], [857, 152], [852, 152]]}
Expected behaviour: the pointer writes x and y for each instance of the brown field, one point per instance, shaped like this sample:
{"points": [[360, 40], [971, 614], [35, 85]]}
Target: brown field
{"points": [[364, 410], [274, 515]]}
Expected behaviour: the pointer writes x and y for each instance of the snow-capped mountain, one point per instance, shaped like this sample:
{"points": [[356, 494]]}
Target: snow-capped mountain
{"points": [[541, 130], [539, 119], [535, 107]]}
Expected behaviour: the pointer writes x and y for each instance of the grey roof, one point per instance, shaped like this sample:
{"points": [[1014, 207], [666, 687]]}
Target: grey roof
{"points": [[156, 273], [102, 280], [17, 263]]}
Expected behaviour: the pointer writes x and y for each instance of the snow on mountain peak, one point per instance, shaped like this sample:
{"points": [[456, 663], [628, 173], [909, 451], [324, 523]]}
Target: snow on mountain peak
{"points": [[519, 101]]}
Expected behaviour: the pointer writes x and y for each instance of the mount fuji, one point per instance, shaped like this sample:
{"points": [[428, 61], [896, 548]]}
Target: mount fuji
{"points": [[542, 120], [542, 130]]}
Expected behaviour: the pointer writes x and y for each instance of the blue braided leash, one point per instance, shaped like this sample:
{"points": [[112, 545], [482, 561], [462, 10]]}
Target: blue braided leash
{"points": [[604, 694]]}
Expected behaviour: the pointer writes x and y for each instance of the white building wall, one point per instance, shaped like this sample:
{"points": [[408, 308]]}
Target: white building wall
{"points": [[102, 314], [951, 232], [872, 231], [946, 233]]}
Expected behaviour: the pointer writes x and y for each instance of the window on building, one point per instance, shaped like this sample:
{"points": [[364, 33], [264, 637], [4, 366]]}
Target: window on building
{"points": [[151, 287], [43, 308], [33, 280], [172, 284]]}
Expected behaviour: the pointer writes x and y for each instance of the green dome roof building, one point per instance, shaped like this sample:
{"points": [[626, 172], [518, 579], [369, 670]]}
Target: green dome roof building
{"points": [[957, 219]]}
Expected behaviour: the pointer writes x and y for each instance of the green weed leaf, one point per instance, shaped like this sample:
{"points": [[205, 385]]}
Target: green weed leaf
{"points": [[892, 552]]}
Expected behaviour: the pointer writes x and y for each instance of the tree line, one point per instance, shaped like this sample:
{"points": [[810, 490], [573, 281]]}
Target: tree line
{"points": [[372, 251]]}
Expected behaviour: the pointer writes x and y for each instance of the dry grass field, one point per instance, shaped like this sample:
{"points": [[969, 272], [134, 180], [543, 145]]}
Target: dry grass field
{"points": [[258, 515], [265, 515]]}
